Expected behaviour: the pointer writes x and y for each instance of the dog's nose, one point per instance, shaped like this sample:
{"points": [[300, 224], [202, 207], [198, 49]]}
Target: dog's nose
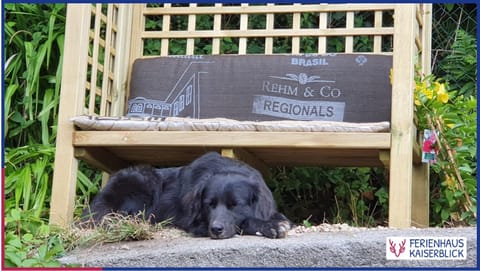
{"points": [[216, 229]]}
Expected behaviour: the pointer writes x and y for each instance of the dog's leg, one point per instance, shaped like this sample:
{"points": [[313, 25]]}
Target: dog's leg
{"points": [[200, 230], [276, 227]]}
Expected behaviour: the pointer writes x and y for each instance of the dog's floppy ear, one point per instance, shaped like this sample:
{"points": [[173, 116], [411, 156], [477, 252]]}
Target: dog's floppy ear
{"points": [[253, 195], [262, 200], [192, 200]]}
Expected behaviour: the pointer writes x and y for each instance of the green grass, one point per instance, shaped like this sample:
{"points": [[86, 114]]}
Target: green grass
{"points": [[113, 228]]}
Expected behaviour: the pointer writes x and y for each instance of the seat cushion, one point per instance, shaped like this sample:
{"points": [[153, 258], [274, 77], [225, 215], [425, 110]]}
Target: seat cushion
{"points": [[220, 124]]}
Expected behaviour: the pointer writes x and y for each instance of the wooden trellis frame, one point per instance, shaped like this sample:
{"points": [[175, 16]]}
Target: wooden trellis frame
{"points": [[103, 40]]}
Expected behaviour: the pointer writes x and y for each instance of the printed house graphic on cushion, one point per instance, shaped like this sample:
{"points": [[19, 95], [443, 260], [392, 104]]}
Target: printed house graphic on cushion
{"points": [[332, 87]]}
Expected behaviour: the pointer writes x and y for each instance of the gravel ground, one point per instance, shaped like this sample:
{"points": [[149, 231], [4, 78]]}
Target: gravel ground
{"points": [[326, 245]]}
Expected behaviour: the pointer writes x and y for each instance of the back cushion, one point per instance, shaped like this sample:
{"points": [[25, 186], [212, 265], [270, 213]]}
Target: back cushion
{"points": [[332, 87]]}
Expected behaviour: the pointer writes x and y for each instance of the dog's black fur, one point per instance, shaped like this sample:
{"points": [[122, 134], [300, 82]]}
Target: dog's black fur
{"points": [[213, 196]]}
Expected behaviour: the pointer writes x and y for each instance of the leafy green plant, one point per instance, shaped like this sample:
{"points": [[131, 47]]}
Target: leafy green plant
{"points": [[27, 188], [34, 37], [28, 242], [306, 222], [454, 119], [27, 178], [341, 195], [29, 252], [460, 66], [448, 105], [32, 77]]}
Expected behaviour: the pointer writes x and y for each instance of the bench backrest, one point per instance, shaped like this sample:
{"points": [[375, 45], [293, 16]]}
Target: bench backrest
{"points": [[328, 87], [103, 40]]}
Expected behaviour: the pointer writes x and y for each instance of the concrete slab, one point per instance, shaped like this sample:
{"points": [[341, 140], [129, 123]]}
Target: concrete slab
{"points": [[352, 248]]}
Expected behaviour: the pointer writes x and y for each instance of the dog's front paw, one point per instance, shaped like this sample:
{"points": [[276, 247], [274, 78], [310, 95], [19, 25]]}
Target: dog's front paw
{"points": [[277, 229]]}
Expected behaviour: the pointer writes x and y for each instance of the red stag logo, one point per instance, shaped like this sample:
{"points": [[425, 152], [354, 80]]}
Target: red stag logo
{"points": [[393, 247]]}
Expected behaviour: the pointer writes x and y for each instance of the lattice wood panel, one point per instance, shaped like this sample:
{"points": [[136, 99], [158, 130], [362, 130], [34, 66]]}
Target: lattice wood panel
{"points": [[101, 59], [423, 39], [265, 29]]}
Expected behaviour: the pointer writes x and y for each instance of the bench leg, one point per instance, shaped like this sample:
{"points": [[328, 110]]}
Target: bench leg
{"points": [[64, 181], [105, 179], [63, 190], [247, 157], [400, 191], [409, 196], [421, 195]]}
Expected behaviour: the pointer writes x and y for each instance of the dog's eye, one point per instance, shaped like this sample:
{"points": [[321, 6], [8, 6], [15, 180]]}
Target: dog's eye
{"points": [[231, 205], [212, 203]]}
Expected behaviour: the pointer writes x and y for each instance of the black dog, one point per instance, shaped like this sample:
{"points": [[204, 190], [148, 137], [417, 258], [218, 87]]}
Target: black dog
{"points": [[213, 196]]}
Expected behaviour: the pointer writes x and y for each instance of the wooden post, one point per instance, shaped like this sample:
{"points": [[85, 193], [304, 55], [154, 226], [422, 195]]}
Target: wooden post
{"points": [[420, 196], [72, 96], [421, 172], [402, 128]]}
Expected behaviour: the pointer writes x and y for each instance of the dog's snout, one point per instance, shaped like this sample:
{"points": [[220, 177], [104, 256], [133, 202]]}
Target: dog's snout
{"points": [[217, 229]]}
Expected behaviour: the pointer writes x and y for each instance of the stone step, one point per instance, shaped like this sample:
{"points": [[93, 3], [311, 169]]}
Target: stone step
{"points": [[350, 248]]}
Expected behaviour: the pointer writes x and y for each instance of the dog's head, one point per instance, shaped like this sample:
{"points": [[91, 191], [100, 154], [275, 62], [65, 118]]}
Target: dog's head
{"points": [[227, 201], [225, 193]]}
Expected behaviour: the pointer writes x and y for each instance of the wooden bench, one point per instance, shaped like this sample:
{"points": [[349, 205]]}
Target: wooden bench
{"points": [[102, 42]]}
